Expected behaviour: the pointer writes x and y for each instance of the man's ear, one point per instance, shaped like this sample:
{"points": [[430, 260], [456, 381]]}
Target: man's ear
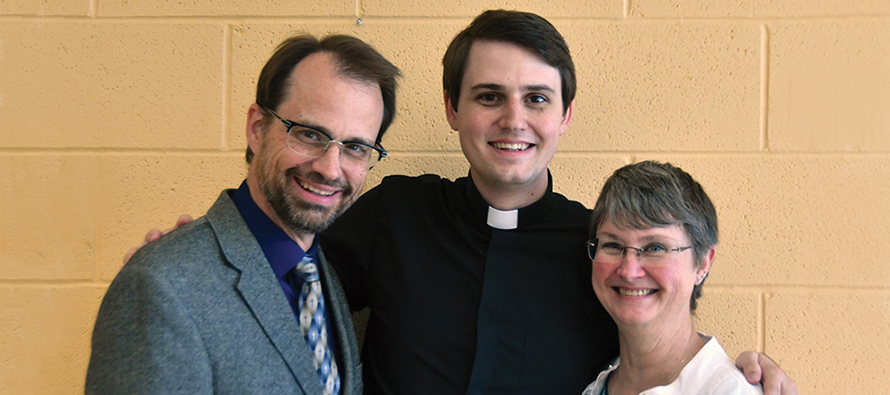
{"points": [[567, 118], [450, 113], [255, 129]]}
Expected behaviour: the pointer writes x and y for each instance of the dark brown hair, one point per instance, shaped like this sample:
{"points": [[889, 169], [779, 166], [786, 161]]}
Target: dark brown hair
{"points": [[526, 30]]}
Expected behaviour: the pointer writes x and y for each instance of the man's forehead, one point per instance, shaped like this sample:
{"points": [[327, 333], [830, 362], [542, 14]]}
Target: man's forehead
{"points": [[320, 96], [484, 70]]}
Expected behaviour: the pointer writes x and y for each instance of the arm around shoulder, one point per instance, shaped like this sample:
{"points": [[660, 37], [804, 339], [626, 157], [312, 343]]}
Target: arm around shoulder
{"points": [[757, 367]]}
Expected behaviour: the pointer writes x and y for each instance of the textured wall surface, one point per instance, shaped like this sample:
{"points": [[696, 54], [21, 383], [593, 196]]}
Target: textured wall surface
{"points": [[116, 116]]}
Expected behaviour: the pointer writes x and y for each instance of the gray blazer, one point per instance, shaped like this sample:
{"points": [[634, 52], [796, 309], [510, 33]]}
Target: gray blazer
{"points": [[200, 311]]}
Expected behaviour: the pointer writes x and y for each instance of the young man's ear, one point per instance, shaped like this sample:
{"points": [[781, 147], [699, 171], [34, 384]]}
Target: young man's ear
{"points": [[567, 118], [450, 112]]}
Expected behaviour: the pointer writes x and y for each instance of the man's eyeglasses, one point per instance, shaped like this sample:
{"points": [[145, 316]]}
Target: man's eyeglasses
{"points": [[652, 252], [311, 143]]}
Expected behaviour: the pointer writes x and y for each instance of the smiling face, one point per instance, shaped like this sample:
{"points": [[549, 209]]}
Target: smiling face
{"points": [[303, 195], [639, 292], [509, 117]]}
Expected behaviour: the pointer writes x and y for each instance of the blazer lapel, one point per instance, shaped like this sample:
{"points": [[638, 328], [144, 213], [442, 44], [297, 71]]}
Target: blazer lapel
{"points": [[261, 292], [350, 376]]}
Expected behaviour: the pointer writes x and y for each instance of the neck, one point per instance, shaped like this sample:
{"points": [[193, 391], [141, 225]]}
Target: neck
{"points": [[304, 240], [507, 197], [653, 357]]}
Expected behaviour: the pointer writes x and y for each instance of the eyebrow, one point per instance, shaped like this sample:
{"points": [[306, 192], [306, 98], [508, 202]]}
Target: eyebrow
{"points": [[647, 238], [499, 87]]}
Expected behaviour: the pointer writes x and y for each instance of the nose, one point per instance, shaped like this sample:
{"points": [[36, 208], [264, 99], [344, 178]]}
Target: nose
{"points": [[630, 266], [328, 163], [513, 115]]}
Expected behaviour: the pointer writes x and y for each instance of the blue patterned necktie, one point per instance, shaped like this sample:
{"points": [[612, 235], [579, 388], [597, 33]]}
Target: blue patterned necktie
{"points": [[310, 304]]}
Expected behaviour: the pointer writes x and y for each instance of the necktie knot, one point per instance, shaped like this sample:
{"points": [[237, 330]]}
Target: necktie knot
{"points": [[307, 270]]}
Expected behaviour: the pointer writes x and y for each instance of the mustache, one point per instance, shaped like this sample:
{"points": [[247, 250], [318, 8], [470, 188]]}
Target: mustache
{"points": [[317, 178]]}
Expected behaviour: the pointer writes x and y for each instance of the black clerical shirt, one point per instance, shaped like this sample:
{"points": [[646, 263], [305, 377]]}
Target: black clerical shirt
{"points": [[458, 307]]}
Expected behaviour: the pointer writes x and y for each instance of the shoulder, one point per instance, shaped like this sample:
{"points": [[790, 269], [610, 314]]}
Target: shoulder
{"points": [[426, 181], [714, 373], [165, 266], [565, 204], [161, 275], [199, 240], [399, 193], [565, 215], [188, 242], [602, 379], [726, 380], [198, 249]]}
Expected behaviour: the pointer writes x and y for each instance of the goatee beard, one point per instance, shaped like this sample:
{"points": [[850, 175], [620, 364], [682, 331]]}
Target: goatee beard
{"points": [[297, 214]]}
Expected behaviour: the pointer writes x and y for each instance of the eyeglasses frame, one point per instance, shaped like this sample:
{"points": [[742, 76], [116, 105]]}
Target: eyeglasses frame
{"points": [[591, 249], [381, 152]]}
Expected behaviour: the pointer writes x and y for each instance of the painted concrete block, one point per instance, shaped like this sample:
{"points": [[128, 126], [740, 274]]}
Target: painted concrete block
{"points": [[829, 88], [89, 85], [171, 8], [49, 209], [46, 337], [756, 8], [450, 165], [68, 216], [831, 341], [45, 8], [665, 87], [581, 177], [470, 9]]}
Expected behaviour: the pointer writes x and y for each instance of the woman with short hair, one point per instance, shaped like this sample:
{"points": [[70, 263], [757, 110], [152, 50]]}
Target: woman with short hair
{"points": [[653, 234]]}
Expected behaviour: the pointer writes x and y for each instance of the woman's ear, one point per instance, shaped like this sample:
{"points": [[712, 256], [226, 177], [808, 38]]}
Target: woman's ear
{"points": [[705, 268]]}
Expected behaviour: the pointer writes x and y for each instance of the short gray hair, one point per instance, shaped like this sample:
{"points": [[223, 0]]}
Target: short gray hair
{"points": [[651, 194]]}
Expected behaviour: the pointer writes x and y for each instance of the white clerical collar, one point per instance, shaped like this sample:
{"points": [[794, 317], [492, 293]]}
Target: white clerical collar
{"points": [[504, 220]]}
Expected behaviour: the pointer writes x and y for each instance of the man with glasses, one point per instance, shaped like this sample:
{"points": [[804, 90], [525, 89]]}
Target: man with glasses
{"points": [[243, 300]]}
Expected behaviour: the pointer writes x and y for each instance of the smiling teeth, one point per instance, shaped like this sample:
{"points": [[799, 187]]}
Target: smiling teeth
{"points": [[511, 147], [638, 292], [315, 190]]}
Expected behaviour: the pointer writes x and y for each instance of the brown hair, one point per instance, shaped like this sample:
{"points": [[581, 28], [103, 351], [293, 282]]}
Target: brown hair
{"points": [[526, 30], [355, 58]]}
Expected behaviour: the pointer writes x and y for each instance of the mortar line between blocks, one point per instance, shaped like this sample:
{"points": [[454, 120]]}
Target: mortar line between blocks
{"points": [[226, 85], [764, 88], [761, 322]]}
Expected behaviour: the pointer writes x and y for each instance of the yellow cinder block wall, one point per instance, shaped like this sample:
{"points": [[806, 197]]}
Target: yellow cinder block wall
{"points": [[116, 116]]}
